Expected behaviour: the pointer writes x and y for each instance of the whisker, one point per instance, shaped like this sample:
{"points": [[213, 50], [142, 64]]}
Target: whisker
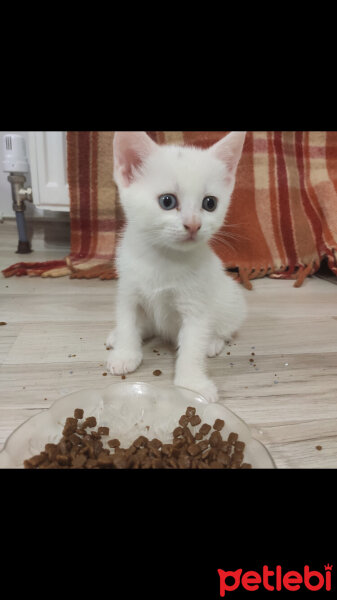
{"points": [[236, 224], [223, 242], [233, 236]]}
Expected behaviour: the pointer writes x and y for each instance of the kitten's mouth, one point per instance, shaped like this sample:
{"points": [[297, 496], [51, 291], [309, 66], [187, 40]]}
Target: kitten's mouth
{"points": [[192, 237], [189, 240]]}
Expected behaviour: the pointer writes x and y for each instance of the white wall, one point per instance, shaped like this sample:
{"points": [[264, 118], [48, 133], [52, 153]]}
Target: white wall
{"points": [[5, 187]]}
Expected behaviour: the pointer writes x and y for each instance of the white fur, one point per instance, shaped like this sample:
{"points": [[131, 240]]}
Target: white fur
{"points": [[167, 286]]}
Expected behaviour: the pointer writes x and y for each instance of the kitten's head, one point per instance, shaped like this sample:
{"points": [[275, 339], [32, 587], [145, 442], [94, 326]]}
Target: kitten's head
{"points": [[178, 196]]}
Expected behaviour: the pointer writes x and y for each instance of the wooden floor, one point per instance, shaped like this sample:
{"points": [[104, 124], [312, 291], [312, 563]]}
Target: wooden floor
{"points": [[53, 344]]}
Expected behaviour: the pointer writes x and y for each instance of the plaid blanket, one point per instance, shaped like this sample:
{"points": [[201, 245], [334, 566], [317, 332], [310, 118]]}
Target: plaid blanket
{"points": [[281, 223]]}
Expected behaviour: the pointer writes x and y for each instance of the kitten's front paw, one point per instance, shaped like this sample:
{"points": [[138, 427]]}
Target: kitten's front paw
{"points": [[215, 347], [205, 387], [120, 363]]}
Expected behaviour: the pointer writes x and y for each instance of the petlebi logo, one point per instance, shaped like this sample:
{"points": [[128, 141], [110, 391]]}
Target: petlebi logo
{"points": [[276, 579]]}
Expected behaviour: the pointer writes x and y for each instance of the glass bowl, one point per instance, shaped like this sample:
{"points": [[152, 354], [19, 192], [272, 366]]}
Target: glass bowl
{"points": [[129, 410]]}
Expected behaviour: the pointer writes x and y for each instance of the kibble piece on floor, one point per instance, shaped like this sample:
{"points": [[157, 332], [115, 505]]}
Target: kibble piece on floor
{"points": [[78, 413], [219, 424]]}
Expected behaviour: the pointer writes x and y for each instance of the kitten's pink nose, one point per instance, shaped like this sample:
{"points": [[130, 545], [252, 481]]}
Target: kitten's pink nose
{"points": [[192, 226]]}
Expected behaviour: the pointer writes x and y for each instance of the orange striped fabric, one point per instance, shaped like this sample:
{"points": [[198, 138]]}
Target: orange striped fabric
{"points": [[282, 219], [95, 213]]}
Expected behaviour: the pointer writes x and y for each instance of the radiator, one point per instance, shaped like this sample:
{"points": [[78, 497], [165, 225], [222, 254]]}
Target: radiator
{"points": [[48, 167]]}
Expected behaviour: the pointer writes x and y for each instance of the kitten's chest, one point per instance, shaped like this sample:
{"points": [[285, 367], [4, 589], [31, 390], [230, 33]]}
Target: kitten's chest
{"points": [[160, 294], [159, 279], [157, 289], [160, 301]]}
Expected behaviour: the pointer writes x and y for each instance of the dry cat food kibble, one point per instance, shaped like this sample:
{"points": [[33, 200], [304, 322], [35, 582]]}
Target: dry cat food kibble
{"points": [[80, 449]]}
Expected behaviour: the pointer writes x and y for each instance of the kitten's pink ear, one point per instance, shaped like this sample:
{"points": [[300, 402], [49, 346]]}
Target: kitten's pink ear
{"points": [[131, 149], [229, 150]]}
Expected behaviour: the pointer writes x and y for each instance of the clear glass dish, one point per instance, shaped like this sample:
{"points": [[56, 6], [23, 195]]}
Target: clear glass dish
{"points": [[129, 410]]}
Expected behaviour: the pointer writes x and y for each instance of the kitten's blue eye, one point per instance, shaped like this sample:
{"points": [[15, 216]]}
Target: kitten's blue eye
{"points": [[209, 203], [168, 201]]}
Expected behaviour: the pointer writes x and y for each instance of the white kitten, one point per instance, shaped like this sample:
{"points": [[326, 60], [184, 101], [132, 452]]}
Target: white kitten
{"points": [[171, 283]]}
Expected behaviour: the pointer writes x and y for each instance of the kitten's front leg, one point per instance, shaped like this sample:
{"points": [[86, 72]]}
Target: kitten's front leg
{"points": [[191, 362], [126, 355]]}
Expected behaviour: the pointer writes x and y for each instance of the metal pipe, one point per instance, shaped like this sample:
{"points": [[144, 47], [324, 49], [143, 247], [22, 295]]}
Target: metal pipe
{"points": [[19, 194], [24, 244]]}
